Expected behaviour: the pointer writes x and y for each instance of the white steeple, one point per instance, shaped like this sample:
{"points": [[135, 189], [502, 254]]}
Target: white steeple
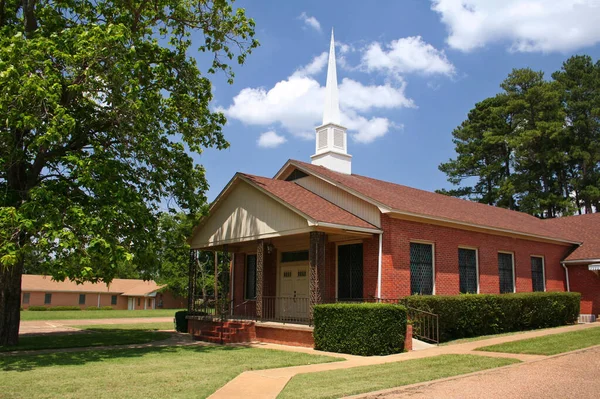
{"points": [[331, 114], [331, 140]]}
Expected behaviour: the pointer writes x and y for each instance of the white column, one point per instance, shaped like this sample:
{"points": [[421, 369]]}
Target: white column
{"points": [[145, 302]]}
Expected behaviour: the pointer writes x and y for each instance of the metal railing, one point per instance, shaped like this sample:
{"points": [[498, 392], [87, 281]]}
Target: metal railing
{"points": [[285, 309], [426, 325]]}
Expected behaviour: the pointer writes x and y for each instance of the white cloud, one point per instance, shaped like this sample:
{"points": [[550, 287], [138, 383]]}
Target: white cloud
{"points": [[314, 67], [528, 25], [407, 55], [270, 139], [310, 21], [297, 105]]}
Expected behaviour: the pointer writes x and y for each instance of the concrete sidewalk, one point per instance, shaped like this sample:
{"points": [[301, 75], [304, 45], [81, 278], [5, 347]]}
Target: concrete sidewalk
{"points": [[55, 326], [269, 383]]}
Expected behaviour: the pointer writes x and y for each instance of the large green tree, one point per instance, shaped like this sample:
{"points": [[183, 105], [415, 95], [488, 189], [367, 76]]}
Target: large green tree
{"points": [[535, 146], [101, 103]]}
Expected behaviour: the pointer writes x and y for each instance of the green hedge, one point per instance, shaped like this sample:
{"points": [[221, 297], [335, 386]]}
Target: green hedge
{"points": [[364, 329], [59, 308], [472, 315], [99, 308], [181, 323], [37, 308]]}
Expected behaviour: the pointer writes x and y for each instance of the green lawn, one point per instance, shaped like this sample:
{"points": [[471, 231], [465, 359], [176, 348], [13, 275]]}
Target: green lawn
{"points": [[550, 344], [101, 337], [133, 326], [95, 314], [338, 383], [169, 372]]}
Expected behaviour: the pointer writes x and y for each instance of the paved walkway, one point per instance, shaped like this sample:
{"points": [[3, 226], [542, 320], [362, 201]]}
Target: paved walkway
{"points": [[269, 383], [570, 375], [62, 326]]}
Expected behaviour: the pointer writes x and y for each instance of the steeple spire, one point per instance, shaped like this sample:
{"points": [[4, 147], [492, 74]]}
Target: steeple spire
{"points": [[331, 114], [331, 149]]}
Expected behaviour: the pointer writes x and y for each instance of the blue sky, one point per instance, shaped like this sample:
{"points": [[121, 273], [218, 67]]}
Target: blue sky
{"points": [[409, 71]]}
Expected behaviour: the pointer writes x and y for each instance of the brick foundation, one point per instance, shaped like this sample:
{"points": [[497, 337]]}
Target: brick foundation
{"points": [[285, 335]]}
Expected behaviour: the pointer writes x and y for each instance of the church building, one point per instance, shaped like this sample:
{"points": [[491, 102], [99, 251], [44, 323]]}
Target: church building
{"points": [[316, 232]]}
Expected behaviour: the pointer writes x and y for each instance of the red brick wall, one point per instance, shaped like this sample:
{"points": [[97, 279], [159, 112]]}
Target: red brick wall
{"points": [[588, 284], [72, 299], [396, 259]]}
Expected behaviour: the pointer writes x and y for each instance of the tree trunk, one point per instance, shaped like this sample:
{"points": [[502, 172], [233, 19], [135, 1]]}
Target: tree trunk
{"points": [[10, 304]]}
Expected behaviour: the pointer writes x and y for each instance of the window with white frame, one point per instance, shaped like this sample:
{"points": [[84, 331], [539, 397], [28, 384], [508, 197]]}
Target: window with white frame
{"points": [[537, 274], [421, 268], [467, 270], [506, 272]]}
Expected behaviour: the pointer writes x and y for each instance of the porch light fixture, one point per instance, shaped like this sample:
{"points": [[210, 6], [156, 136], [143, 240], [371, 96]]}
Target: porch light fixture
{"points": [[270, 248]]}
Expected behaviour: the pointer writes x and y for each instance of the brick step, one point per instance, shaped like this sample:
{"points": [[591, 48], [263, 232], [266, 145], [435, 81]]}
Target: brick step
{"points": [[233, 324], [209, 333], [214, 340]]}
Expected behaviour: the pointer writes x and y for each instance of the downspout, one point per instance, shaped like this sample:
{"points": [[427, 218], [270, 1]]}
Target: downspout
{"points": [[379, 266], [232, 268], [566, 274], [98, 299]]}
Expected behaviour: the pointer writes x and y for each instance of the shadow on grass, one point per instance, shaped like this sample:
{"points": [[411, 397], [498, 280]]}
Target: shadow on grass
{"points": [[31, 362], [105, 337]]}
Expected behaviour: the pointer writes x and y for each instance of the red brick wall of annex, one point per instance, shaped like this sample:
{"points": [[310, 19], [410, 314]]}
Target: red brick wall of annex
{"points": [[396, 259], [72, 299], [587, 283]]}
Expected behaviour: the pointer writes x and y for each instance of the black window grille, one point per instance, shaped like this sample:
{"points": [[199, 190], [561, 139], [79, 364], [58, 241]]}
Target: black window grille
{"points": [[82, 299], [467, 270], [421, 268], [350, 272], [26, 297], [47, 299], [295, 256], [113, 300], [250, 291], [505, 272], [537, 273]]}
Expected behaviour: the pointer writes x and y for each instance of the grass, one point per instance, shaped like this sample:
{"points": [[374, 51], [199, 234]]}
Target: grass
{"points": [[134, 326], [94, 314], [338, 383], [103, 337], [169, 372], [550, 344]]}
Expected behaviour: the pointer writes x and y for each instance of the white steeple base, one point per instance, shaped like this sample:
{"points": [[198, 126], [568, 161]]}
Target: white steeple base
{"points": [[334, 161]]}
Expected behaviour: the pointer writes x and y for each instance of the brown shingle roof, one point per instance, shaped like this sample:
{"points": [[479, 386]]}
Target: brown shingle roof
{"points": [[128, 287], [432, 205], [307, 202], [584, 228]]}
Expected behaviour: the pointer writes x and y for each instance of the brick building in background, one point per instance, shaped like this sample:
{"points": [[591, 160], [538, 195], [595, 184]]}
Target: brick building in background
{"points": [[316, 233], [122, 294]]}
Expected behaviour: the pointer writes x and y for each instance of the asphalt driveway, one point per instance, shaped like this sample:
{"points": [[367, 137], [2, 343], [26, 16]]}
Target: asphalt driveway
{"points": [[573, 375]]}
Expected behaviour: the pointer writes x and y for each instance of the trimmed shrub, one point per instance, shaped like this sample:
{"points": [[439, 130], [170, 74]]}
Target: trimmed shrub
{"points": [[37, 308], [59, 308], [106, 308], [364, 329], [92, 308], [472, 315], [181, 323]]}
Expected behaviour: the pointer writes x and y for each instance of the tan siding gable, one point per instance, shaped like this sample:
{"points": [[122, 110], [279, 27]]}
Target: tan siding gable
{"points": [[247, 214], [342, 198]]}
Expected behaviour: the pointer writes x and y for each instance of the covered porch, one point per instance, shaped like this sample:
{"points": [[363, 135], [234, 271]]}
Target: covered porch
{"points": [[281, 249], [280, 279]]}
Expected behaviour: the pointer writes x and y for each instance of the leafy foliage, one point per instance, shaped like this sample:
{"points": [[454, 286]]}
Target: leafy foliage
{"points": [[473, 315], [181, 323], [534, 147], [101, 103], [366, 329]]}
